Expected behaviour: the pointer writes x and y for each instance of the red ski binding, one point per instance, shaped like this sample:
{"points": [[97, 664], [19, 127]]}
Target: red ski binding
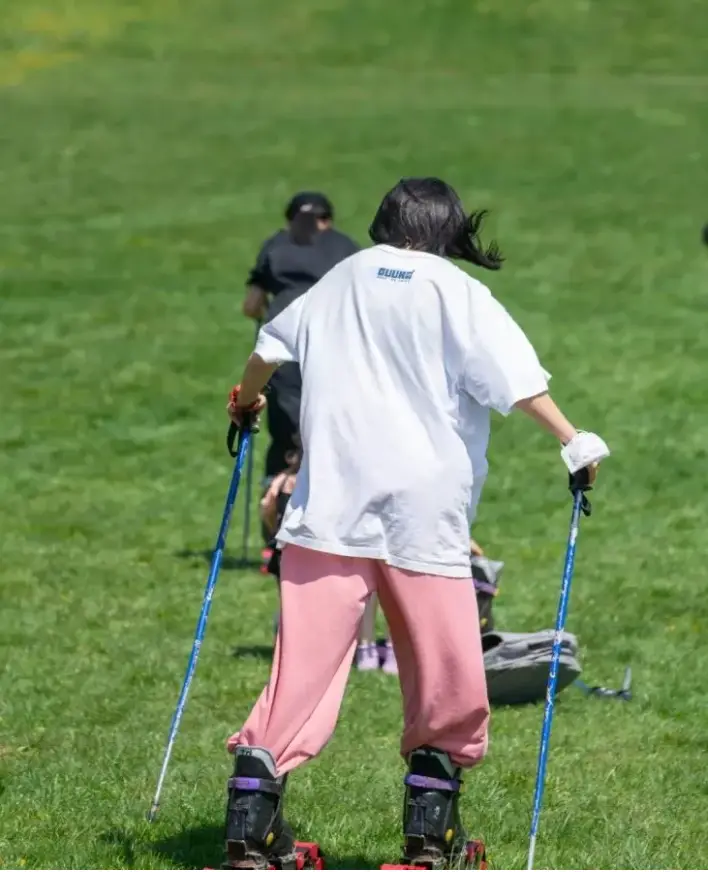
{"points": [[475, 858], [309, 856]]}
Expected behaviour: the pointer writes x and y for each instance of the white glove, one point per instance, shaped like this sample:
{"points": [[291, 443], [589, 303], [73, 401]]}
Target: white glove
{"points": [[583, 450]]}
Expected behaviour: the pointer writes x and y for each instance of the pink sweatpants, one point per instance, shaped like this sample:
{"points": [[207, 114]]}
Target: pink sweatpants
{"points": [[434, 627]]}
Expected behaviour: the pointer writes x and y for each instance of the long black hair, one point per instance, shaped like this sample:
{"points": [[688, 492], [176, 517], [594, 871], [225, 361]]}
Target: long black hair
{"points": [[428, 215], [303, 212]]}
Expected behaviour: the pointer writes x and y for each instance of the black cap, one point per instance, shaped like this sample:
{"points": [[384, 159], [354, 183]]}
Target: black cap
{"points": [[312, 202]]}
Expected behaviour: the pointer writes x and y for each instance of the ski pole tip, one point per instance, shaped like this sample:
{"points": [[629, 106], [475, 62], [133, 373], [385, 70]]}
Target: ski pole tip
{"points": [[532, 851]]}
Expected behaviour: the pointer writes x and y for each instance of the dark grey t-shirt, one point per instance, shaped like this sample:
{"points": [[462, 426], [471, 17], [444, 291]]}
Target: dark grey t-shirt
{"points": [[285, 270]]}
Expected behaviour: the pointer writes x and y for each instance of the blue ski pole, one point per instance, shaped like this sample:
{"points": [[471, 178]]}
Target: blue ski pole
{"points": [[578, 486], [244, 441]]}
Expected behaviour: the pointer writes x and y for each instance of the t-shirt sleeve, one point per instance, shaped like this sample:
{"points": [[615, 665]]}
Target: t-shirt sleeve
{"points": [[259, 273], [277, 340], [501, 367]]}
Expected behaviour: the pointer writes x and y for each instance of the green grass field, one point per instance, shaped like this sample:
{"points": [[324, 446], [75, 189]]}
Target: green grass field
{"points": [[146, 149]]}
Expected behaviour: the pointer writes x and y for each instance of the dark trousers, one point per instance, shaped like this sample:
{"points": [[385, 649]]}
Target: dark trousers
{"points": [[283, 411]]}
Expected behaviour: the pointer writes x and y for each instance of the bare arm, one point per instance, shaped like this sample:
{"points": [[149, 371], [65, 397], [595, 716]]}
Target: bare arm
{"points": [[255, 377], [256, 303], [276, 344], [546, 413]]}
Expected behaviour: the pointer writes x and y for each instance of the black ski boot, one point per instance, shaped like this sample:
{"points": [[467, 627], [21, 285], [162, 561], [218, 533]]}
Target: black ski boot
{"points": [[257, 837], [432, 830]]}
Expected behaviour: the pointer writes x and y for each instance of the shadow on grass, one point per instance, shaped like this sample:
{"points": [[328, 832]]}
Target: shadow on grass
{"points": [[228, 564], [124, 842], [194, 848], [191, 849], [264, 652], [203, 847]]}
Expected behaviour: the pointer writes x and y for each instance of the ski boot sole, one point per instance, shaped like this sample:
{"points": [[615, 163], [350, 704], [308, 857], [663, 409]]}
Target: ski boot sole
{"points": [[475, 858], [308, 856]]}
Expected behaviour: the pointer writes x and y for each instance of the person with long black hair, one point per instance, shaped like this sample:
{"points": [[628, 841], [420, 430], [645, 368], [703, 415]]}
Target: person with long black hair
{"points": [[289, 263], [403, 357]]}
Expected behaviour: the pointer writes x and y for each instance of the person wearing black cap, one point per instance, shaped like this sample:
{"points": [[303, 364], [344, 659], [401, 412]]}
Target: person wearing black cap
{"points": [[289, 263]]}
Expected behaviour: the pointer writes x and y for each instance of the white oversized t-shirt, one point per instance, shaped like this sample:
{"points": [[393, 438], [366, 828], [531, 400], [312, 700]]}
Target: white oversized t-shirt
{"points": [[402, 357]]}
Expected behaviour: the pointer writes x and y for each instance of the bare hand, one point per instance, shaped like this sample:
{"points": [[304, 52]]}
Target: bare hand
{"points": [[475, 549], [237, 411]]}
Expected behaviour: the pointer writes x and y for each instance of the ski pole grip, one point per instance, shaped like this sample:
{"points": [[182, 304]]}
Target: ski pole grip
{"points": [[580, 480], [579, 483], [231, 438], [248, 425]]}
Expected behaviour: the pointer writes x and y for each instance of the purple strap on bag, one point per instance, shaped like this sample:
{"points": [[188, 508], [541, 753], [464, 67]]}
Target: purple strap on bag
{"points": [[485, 587]]}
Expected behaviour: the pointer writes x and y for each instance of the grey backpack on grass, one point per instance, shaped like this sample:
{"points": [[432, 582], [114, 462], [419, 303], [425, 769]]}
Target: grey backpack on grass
{"points": [[517, 664]]}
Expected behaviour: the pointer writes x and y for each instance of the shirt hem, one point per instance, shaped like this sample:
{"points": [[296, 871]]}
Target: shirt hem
{"points": [[372, 553]]}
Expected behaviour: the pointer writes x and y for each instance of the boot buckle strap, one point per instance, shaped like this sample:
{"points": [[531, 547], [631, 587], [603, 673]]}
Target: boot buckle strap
{"points": [[262, 785], [427, 783]]}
